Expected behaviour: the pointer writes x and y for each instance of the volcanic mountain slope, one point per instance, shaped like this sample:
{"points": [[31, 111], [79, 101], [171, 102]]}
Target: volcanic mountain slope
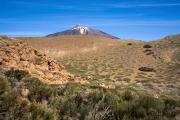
{"points": [[14, 53], [116, 60], [88, 48], [68, 44], [86, 45], [81, 30]]}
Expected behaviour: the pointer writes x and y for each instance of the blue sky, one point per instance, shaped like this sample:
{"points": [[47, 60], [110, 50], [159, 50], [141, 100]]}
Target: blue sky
{"points": [[129, 19]]}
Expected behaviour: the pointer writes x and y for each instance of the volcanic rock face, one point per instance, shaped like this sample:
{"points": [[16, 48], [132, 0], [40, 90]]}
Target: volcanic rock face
{"points": [[81, 30], [16, 54]]}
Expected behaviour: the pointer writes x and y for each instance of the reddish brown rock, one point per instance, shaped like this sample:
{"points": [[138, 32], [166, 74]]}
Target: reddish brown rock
{"points": [[5, 58], [13, 63], [24, 58], [5, 37], [49, 75], [17, 54]]}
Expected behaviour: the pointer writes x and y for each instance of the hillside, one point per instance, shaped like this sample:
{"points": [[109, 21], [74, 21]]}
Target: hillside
{"points": [[124, 79], [115, 61], [14, 53], [62, 45], [168, 50]]}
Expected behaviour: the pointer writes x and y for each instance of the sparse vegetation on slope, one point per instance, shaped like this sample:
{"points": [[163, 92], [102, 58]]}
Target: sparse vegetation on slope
{"points": [[115, 89], [110, 60]]}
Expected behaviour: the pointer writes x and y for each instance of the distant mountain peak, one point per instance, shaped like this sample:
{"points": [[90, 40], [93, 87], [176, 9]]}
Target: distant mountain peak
{"points": [[78, 25], [81, 30]]}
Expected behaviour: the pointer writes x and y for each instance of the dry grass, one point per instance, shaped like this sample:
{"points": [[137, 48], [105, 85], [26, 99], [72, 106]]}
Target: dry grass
{"points": [[105, 59]]}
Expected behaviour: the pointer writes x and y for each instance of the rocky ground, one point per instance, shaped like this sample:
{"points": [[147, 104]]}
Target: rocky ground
{"points": [[17, 54]]}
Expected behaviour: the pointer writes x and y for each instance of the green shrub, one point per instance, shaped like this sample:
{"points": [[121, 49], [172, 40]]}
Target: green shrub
{"points": [[41, 112], [4, 85], [152, 106], [65, 107], [16, 74], [96, 95], [172, 106], [13, 107], [127, 95], [129, 44], [111, 99], [146, 107], [146, 46], [38, 91], [83, 111], [123, 110]]}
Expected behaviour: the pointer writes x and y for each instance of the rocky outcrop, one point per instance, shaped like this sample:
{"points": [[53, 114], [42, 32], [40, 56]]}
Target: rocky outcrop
{"points": [[14, 53]]}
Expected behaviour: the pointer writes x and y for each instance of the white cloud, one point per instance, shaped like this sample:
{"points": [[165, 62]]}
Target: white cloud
{"points": [[13, 20], [20, 33], [96, 6], [48, 5], [137, 23], [130, 5]]}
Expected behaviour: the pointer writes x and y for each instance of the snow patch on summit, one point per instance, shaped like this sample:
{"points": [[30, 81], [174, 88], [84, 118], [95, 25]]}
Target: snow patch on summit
{"points": [[81, 29]]}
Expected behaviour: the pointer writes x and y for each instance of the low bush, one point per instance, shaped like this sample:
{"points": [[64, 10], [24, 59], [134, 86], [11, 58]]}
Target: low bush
{"points": [[41, 112], [146, 69], [146, 46], [4, 85], [129, 44], [39, 91], [83, 102], [13, 107], [16, 74]]}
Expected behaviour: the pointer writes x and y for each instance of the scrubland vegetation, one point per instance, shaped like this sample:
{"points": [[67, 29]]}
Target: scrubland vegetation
{"points": [[23, 97], [114, 80]]}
